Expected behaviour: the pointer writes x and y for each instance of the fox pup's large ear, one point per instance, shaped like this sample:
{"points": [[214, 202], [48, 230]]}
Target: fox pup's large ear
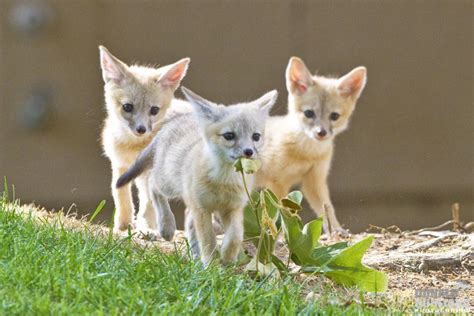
{"points": [[174, 73], [298, 77], [266, 102], [204, 109], [112, 68], [352, 84]]}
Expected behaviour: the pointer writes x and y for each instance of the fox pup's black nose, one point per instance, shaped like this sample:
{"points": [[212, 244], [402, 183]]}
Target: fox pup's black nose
{"points": [[248, 152], [322, 133], [141, 129]]}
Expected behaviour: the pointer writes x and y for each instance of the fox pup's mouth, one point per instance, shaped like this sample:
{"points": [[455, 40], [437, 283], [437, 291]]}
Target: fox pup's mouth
{"points": [[322, 139], [139, 135]]}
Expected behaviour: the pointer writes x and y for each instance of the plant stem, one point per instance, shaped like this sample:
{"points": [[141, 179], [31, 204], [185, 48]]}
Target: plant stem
{"points": [[254, 207], [246, 189]]}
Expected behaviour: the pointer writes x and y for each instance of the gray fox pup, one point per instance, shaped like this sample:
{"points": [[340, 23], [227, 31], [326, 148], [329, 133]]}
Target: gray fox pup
{"points": [[137, 99], [192, 158], [299, 146]]}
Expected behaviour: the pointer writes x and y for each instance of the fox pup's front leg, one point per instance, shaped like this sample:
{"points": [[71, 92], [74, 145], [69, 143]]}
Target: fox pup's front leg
{"points": [[219, 228], [315, 190], [233, 235], [202, 221], [124, 209]]}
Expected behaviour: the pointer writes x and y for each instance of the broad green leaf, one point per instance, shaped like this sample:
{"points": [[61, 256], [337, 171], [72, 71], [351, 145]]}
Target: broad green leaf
{"points": [[292, 227], [247, 165], [238, 165], [295, 207], [310, 235], [296, 196], [323, 254], [347, 269], [303, 246], [251, 223]]}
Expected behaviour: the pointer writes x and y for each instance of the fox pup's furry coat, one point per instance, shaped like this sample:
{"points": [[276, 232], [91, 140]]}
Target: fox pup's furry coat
{"points": [[193, 155], [299, 146], [136, 99]]}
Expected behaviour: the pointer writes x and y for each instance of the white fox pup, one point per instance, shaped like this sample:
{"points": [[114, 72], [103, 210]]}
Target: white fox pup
{"points": [[299, 146], [136, 98], [193, 155]]}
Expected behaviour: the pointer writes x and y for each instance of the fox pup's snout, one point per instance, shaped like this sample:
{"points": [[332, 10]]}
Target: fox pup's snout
{"points": [[322, 134], [140, 130], [248, 152]]}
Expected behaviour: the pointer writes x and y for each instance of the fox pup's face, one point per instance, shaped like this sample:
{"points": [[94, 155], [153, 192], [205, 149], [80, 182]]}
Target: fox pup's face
{"points": [[233, 131], [139, 96], [322, 106]]}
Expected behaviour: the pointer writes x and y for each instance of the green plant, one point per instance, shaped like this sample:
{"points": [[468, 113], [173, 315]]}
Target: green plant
{"points": [[266, 217]]}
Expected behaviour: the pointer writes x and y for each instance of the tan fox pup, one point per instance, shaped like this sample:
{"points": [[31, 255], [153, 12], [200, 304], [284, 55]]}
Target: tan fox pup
{"points": [[192, 158], [299, 146], [137, 99]]}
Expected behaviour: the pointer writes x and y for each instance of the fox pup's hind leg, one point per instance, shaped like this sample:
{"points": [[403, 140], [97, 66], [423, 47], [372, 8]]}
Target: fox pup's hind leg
{"points": [[166, 221], [123, 202], [146, 218], [233, 235]]}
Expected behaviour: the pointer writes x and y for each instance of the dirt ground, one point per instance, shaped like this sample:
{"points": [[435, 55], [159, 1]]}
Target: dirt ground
{"points": [[433, 262]]}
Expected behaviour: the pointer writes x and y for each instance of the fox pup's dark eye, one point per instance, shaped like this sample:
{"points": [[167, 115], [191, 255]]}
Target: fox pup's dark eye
{"points": [[154, 110], [334, 116], [229, 136], [256, 137], [127, 107], [309, 113]]}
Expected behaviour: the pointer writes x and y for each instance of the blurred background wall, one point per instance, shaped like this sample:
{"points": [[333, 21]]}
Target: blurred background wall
{"points": [[406, 158]]}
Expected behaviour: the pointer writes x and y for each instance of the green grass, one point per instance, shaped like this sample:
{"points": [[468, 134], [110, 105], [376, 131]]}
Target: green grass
{"points": [[48, 269]]}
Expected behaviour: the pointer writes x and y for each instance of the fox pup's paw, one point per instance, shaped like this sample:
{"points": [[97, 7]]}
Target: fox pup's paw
{"points": [[214, 257], [167, 231], [341, 232], [167, 226], [123, 230], [145, 230]]}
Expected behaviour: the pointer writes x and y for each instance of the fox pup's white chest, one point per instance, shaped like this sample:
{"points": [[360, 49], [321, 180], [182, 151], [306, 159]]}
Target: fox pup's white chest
{"points": [[222, 194], [289, 157]]}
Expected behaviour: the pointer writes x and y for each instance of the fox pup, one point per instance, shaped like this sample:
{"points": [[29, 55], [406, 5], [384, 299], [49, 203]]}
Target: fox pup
{"points": [[137, 99], [299, 145], [193, 159]]}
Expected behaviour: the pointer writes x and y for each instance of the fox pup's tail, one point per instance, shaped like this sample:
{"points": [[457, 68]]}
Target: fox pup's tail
{"points": [[143, 162]]}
